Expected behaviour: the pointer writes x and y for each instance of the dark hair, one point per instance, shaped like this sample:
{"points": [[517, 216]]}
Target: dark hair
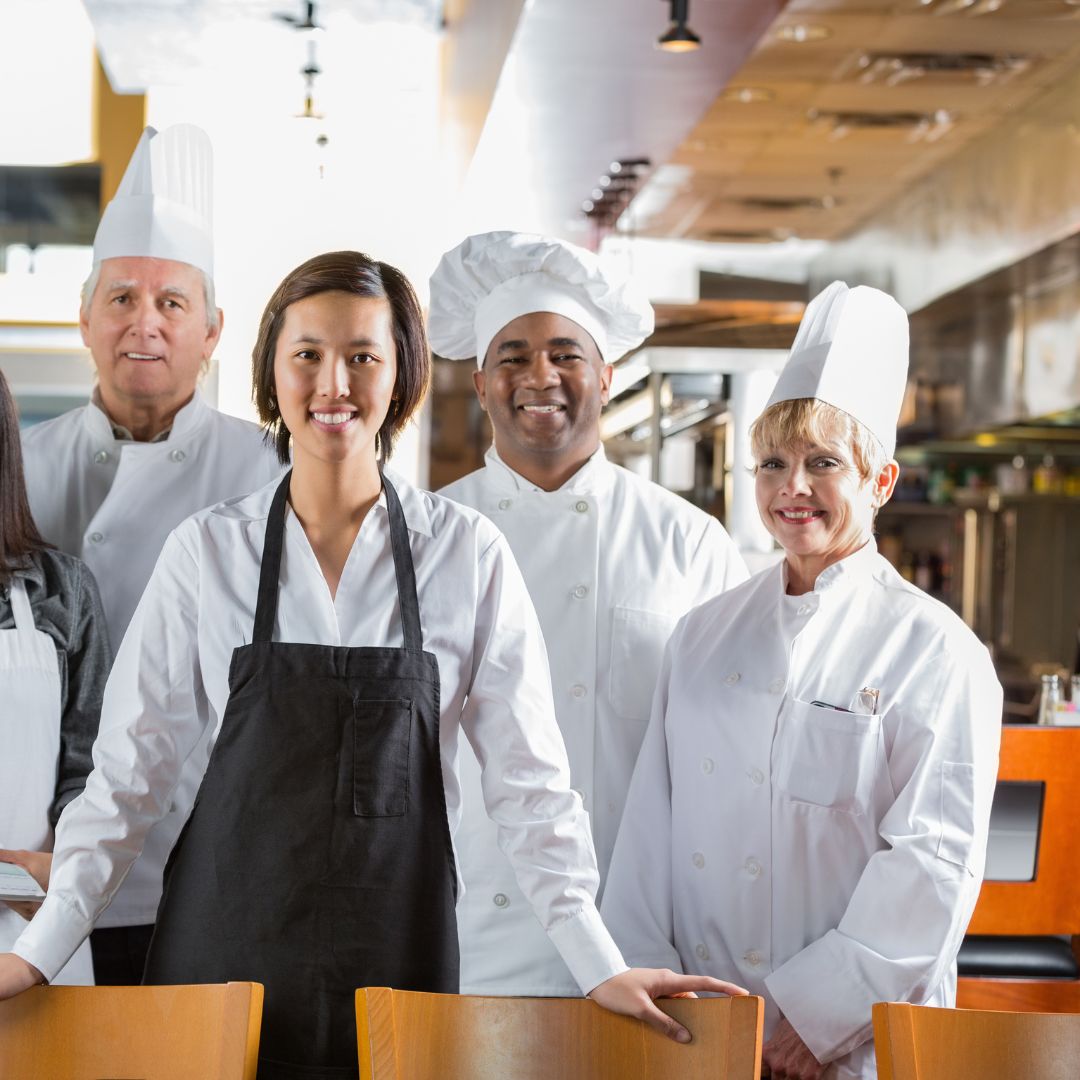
{"points": [[350, 272], [19, 536]]}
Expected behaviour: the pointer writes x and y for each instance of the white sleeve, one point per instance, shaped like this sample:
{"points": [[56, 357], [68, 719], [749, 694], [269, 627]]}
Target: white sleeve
{"points": [[153, 714], [509, 718], [638, 907], [906, 918], [725, 565]]}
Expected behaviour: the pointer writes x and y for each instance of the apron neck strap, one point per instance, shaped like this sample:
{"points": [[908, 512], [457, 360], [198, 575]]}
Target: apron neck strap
{"points": [[20, 604], [270, 571]]}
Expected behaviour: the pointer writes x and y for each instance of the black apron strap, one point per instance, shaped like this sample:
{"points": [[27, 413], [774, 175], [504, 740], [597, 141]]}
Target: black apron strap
{"points": [[403, 568], [270, 571], [266, 605]]}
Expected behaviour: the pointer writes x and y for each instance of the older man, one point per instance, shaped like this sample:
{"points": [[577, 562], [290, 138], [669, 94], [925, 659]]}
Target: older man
{"points": [[110, 480], [611, 561]]}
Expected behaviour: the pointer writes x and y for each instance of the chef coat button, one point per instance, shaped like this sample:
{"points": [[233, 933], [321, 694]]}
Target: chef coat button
{"points": [[578, 690], [698, 860], [804, 609], [505, 504], [702, 952], [101, 457], [612, 808], [581, 506], [753, 957], [753, 867], [581, 591], [177, 456], [757, 776], [707, 765], [732, 679], [500, 899], [96, 537], [776, 686]]}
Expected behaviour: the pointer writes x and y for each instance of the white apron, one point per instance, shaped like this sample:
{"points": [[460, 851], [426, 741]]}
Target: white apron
{"points": [[29, 753]]}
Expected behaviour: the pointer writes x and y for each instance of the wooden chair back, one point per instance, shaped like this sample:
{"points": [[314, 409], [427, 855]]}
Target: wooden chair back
{"points": [[914, 1042], [152, 1032], [411, 1036], [1051, 903]]}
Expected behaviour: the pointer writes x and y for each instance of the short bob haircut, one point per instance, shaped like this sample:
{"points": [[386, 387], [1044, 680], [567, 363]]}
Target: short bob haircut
{"points": [[807, 420], [360, 275], [19, 537]]}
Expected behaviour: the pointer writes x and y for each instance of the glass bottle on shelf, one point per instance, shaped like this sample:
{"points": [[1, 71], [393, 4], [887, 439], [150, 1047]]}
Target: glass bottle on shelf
{"points": [[1050, 699]]}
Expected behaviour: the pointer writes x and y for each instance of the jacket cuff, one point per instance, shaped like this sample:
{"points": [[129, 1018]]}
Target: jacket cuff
{"points": [[52, 936], [587, 949], [823, 1000]]}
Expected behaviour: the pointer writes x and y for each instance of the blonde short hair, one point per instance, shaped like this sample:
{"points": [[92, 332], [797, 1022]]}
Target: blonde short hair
{"points": [[807, 420]]}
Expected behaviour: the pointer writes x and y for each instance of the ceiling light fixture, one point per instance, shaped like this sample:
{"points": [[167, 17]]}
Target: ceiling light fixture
{"points": [[800, 33], [679, 37]]}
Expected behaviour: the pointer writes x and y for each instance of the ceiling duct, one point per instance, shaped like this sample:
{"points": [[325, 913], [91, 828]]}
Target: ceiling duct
{"points": [[896, 68], [928, 126], [774, 205]]}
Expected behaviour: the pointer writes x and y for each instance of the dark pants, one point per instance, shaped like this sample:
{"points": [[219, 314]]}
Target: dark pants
{"points": [[120, 954]]}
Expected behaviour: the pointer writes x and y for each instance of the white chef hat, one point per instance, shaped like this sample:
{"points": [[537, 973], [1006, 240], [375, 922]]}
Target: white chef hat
{"points": [[492, 278], [162, 208], [851, 352]]}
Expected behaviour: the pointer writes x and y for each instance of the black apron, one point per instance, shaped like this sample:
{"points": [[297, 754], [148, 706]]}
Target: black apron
{"points": [[317, 858]]}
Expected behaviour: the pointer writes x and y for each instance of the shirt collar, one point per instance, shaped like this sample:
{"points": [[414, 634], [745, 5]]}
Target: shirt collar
{"points": [[593, 478], [102, 426], [847, 573]]}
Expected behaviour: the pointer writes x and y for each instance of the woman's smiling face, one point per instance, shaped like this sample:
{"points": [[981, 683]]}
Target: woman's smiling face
{"points": [[814, 502], [334, 373]]}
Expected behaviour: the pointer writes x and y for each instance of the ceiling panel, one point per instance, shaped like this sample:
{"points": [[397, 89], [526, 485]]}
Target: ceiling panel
{"points": [[793, 137]]}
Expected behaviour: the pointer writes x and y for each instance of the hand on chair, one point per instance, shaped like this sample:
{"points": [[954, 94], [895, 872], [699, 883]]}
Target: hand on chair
{"points": [[632, 993], [788, 1057], [16, 975]]}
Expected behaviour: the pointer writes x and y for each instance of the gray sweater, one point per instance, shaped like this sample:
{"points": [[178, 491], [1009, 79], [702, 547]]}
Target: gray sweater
{"points": [[65, 604]]}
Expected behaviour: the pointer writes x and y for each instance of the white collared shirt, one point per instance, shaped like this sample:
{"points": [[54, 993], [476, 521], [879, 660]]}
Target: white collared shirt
{"points": [[169, 689], [612, 562], [781, 834]]}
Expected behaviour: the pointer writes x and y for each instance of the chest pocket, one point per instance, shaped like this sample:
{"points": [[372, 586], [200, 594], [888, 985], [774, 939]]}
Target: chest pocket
{"points": [[829, 758], [637, 650], [381, 743]]}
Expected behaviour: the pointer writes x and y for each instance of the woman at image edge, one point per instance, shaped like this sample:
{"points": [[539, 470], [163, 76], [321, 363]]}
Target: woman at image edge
{"points": [[319, 857]]}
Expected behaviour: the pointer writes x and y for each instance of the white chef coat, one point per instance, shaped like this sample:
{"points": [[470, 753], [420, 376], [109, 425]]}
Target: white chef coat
{"points": [[170, 684], [112, 503], [825, 859], [612, 562]]}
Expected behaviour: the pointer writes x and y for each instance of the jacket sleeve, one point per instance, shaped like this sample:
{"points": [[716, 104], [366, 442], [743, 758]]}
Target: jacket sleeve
{"points": [[724, 566], [88, 658], [509, 718], [153, 714], [902, 928], [637, 905]]}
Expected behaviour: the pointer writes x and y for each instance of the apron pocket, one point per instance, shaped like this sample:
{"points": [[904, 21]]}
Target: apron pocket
{"points": [[382, 732]]}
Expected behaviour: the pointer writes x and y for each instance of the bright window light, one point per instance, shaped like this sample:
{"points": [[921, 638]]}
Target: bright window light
{"points": [[46, 79]]}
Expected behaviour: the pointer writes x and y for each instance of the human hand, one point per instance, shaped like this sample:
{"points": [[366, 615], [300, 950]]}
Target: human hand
{"points": [[632, 993], [38, 864], [788, 1057], [16, 975]]}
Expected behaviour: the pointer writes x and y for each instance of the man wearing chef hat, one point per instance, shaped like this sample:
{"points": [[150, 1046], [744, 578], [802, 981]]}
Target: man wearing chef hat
{"points": [[611, 561], [110, 480], [810, 807]]}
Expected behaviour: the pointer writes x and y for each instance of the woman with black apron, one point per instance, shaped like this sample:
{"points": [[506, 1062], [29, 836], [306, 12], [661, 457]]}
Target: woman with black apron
{"points": [[336, 630]]}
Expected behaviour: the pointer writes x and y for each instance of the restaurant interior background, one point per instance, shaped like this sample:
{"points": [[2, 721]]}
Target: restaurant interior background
{"points": [[928, 147]]}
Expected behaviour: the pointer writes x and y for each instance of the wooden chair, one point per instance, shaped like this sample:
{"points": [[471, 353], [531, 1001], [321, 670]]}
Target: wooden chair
{"points": [[158, 1032], [915, 1042], [1019, 964], [409, 1036]]}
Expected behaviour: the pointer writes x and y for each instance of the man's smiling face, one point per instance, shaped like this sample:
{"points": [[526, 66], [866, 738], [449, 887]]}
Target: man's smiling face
{"points": [[544, 384]]}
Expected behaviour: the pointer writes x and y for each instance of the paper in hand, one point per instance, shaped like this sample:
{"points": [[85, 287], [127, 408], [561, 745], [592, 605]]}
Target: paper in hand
{"points": [[17, 884]]}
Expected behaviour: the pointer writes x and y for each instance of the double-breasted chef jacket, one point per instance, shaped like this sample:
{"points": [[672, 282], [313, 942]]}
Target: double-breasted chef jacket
{"points": [[112, 502], [781, 833], [170, 684], [612, 562]]}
